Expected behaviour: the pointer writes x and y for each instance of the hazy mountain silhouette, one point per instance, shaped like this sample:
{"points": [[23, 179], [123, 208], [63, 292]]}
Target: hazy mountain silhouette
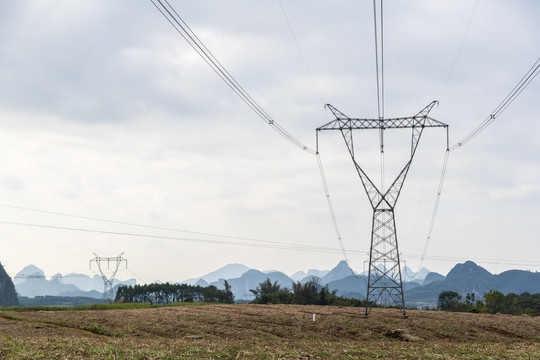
{"points": [[469, 278], [423, 288], [342, 270], [300, 275], [250, 280], [227, 272], [31, 282]]}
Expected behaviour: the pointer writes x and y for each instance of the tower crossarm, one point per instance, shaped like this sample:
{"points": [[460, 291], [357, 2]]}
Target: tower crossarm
{"points": [[108, 280], [376, 124], [343, 122], [417, 123]]}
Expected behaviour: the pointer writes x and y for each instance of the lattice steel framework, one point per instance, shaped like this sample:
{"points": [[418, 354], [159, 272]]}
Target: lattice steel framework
{"points": [[384, 274], [108, 279]]}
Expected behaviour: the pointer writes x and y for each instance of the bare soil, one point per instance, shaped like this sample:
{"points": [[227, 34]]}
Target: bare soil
{"points": [[265, 332]]}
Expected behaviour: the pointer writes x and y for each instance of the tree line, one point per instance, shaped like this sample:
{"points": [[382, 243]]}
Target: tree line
{"points": [[493, 302], [309, 293], [165, 294]]}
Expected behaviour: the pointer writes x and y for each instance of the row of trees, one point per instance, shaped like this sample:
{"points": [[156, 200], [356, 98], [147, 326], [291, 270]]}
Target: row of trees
{"points": [[493, 302], [309, 293], [173, 293]]}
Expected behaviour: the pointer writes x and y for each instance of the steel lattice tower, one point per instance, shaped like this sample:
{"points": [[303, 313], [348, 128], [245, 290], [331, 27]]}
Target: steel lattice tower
{"points": [[384, 274], [108, 280]]}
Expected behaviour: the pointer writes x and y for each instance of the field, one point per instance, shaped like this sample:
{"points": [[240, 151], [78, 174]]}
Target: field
{"points": [[264, 332]]}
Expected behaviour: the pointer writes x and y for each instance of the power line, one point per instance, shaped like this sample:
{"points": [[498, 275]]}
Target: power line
{"points": [[185, 31], [172, 16], [300, 51], [435, 208], [507, 101], [319, 160], [292, 247], [331, 207], [153, 227], [459, 50], [270, 245], [139, 225], [379, 66]]}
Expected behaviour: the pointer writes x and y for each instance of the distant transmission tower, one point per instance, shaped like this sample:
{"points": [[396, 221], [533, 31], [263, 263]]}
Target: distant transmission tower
{"points": [[384, 275], [106, 273]]}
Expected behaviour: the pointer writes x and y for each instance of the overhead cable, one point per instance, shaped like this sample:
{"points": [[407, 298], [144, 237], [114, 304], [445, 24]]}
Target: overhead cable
{"points": [[293, 247], [435, 208], [300, 51], [272, 245], [172, 16], [331, 207], [516, 91], [379, 59], [137, 225], [509, 99], [459, 51], [319, 161]]}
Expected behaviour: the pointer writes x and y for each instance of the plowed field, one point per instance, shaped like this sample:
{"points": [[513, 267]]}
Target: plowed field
{"points": [[265, 332]]}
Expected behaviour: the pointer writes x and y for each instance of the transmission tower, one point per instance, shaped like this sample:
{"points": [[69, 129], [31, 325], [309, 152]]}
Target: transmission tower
{"points": [[384, 274], [109, 272]]}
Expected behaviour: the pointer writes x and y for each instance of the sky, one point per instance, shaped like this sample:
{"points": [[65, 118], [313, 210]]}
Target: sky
{"points": [[107, 113]]}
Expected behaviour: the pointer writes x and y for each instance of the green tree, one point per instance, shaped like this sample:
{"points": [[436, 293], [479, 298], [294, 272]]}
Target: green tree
{"points": [[470, 304], [449, 301], [270, 293], [308, 293], [170, 293], [494, 302], [229, 295]]}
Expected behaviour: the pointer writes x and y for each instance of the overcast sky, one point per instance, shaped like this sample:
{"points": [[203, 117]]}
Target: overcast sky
{"points": [[106, 112]]}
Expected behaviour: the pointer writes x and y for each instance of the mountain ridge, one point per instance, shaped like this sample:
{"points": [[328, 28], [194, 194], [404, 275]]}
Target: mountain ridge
{"points": [[471, 278], [31, 282], [422, 289]]}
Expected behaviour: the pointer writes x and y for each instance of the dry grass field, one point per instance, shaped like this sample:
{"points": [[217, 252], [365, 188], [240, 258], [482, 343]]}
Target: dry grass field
{"points": [[265, 332]]}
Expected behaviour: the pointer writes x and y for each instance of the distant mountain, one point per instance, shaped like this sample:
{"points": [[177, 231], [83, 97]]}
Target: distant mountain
{"points": [[83, 282], [300, 275], [311, 278], [227, 272], [424, 287], [408, 275], [8, 296], [29, 271], [250, 280], [355, 286], [39, 286], [201, 282], [432, 277], [342, 270], [31, 282], [341, 278], [352, 286], [470, 278]]}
